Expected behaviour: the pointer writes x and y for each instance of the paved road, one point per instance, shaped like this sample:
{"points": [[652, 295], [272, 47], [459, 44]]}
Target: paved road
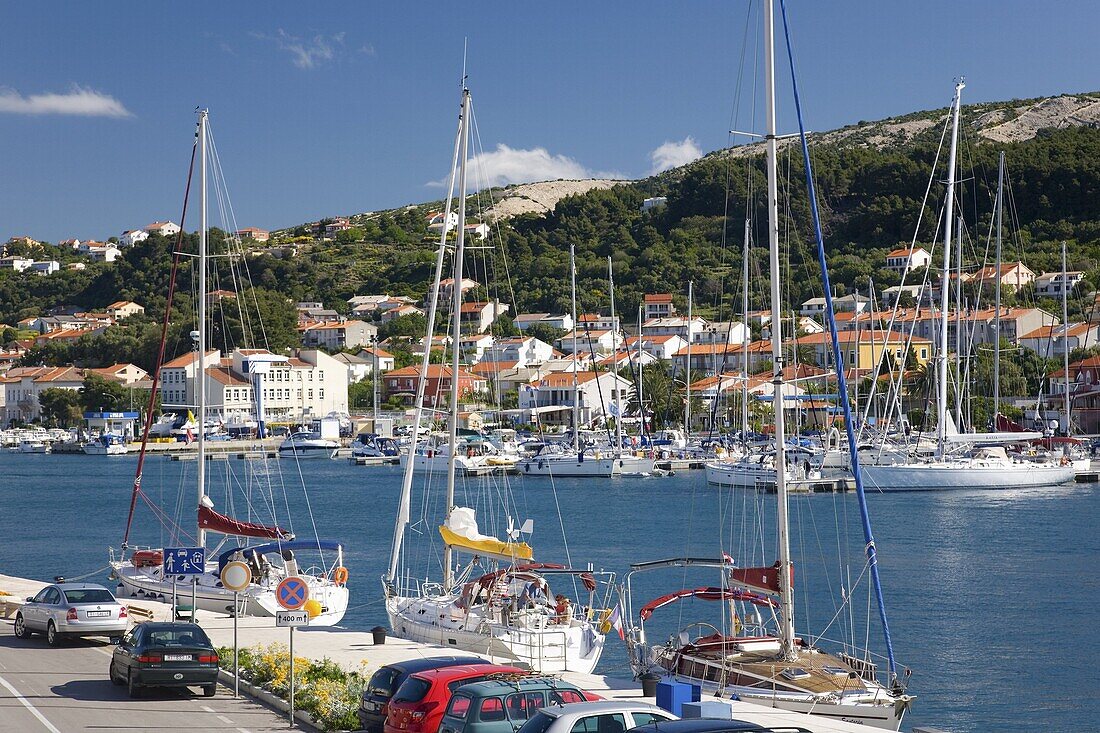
{"points": [[48, 690]]}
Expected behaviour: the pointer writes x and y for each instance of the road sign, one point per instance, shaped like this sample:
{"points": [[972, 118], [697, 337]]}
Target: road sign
{"points": [[292, 619], [184, 560], [292, 593], [236, 575]]}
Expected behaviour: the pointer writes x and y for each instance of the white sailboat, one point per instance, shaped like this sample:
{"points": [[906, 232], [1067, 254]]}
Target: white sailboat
{"points": [[958, 462], [757, 656], [140, 570], [500, 601]]}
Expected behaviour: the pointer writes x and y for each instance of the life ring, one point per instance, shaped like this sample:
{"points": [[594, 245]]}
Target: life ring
{"points": [[340, 575]]}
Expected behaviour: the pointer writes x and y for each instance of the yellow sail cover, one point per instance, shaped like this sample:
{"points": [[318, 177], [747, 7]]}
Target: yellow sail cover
{"points": [[488, 546]]}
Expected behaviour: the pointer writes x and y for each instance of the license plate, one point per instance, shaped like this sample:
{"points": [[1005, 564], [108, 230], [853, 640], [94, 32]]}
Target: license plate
{"points": [[177, 657], [371, 706], [98, 614]]}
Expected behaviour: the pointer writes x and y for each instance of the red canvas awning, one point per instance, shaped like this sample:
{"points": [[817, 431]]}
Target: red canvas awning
{"points": [[706, 594], [215, 522]]}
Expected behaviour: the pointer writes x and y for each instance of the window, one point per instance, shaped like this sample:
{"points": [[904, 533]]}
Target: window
{"points": [[460, 705], [610, 723], [89, 595], [564, 697], [177, 636], [522, 705], [412, 690], [492, 710], [647, 718]]}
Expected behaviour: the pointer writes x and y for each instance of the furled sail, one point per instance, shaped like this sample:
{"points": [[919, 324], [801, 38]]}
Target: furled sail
{"points": [[461, 531], [765, 579], [212, 521]]}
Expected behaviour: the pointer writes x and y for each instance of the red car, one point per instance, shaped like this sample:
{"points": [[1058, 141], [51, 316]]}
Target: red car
{"points": [[420, 701]]}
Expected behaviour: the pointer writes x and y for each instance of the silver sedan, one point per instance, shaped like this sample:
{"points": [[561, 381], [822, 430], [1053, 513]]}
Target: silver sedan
{"points": [[69, 610]]}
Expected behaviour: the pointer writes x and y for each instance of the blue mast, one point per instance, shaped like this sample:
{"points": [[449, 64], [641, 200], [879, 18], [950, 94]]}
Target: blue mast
{"points": [[842, 385]]}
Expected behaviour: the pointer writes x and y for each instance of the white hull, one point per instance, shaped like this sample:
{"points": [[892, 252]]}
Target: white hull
{"points": [[255, 600], [33, 448], [546, 647], [439, 462], [571, 465], [942, 476], [98, 449], [740, 474], [306, 452]]}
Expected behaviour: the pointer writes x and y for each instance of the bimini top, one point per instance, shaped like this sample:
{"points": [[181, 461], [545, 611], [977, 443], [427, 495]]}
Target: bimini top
{"points": [[333, 545]]}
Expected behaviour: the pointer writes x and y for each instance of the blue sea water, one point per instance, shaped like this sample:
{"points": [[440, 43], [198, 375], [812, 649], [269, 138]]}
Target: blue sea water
{"points": [[992, 596]]}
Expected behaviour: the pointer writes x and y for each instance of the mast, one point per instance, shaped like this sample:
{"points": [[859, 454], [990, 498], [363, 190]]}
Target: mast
{"points": [[573, 299], [687, 371], [200, 370], [958, 322], [456, 332], [748, 337], [786, 594], [1065, 339], [433, 307], [997, 296], [615, 361], [641, 401], [941, 406]]}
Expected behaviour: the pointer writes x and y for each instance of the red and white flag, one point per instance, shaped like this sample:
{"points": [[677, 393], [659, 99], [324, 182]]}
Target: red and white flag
{"points": [[616, 620]]}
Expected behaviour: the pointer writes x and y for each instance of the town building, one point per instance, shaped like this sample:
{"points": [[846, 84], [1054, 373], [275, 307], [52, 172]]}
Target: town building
{"points": [[657, 305], [404, 384], [163, 228], [815, 307], [104, 253], [522, 351], [861, 351], [477, 316], [129, 237], [654, 202], [124, 309], [45, 267], [1053, 284], [1052, 342], [523, 321], [256, 235], [904, 260], [551, 400], [1012, 274], [590, 342], [336, 335], [19, 264]]}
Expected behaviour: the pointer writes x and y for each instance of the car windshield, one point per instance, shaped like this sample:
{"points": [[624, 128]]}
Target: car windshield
{"points": [[178, 636], [412, 690], [537, 723], [383, 681], [89, 595]]}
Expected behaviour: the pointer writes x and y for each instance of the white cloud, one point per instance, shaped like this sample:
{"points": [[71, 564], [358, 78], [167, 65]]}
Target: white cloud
{"points": [[506, 165], [77, 101], [306, 53], [672, 154]]}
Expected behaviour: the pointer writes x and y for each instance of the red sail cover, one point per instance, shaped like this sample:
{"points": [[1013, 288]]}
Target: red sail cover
{"points": [[766, 579], [211, 520]]}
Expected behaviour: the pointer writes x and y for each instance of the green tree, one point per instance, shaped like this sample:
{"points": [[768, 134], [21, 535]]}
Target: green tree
{"points": [[545, 332], [60, 407], [98, 394]]}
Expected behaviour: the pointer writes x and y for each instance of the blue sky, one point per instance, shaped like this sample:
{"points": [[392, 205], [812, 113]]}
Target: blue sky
{"points": [[330, 108]]}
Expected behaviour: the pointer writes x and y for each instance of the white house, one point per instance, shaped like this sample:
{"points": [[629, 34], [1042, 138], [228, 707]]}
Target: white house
{"points": [[679, 325], [520, 351], [523, 321], [477, 316], [131, 237], [163, 228], [106, 253], [45, 267], [23, 385], [19, 264], [600, 342], [662, 347], [904, 260], [338, 334], [124, 309], [361, 365], [1053, 284], [436, 221], [654, 202], [1053, 341], [474, 346], [722, 332], [550, 401], [658, 305], [597, 322], [374, 354], [853, 302]]}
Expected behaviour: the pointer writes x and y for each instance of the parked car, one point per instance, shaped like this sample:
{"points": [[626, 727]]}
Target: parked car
{"points": [[716, 725], [386, 681], [165, 654], [503, 705], [72, 609], [606, 716], [418, 704]]}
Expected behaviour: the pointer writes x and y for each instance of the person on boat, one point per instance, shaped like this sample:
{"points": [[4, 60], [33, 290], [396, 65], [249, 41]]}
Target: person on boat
{"points": [[562, 612]]}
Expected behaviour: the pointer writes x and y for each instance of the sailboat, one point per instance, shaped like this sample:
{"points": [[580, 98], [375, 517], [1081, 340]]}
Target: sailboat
{"points": [[140, 571], [962, 460], [757, 656], [499, 602]]}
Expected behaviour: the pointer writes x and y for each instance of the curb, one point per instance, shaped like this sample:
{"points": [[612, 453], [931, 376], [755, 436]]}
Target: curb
{"points": [[268, 698]]}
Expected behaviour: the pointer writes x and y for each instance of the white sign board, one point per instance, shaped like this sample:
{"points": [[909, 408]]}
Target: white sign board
{"points": [[292, 618]]}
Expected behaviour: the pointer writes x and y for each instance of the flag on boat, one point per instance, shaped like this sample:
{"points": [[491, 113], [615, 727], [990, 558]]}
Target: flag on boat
{"points": [[189, 436], [612, 409], [616, 620]]}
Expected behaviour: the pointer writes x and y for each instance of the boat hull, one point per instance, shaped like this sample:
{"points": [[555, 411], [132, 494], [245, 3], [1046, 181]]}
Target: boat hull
{"points": [[948, 476]]}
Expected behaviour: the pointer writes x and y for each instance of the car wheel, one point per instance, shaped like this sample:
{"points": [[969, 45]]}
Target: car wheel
{"points": [[21, 630], [132, 686], [210, 690], [52, 637], [115, 679]]}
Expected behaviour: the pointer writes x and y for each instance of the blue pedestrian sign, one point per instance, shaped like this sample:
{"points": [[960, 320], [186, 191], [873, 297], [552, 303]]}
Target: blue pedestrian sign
{"points": [[292, 593], [184, 560]]}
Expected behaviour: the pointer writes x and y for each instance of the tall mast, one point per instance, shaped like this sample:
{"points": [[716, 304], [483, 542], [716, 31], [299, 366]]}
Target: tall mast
{"points": [[997, 296], [786, 594], [941, 406], [200, 370], [1065, 339], [615, 360], [456, 333], [687, 371], [641, 400], [433, 307], [748, 337], [573, 300], [958, 322]]}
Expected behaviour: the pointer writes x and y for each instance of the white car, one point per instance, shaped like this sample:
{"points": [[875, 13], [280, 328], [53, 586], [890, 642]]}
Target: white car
{"points": [[605, 716], [72, 609]]}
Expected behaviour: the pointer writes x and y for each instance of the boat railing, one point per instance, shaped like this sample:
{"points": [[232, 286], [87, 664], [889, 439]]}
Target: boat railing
{"points": [[544, 650]]}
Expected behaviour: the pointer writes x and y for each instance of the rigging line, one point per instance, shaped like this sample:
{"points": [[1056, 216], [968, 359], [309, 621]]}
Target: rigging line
{"points": [[841, 383], [160, 349]]}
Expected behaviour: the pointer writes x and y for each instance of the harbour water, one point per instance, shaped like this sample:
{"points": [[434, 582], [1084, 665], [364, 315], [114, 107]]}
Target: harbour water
{"points": [[991, 596]]}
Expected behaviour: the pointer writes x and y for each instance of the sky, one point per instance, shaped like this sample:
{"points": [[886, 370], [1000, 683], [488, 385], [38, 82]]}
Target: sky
{"points": [[335, 108]]}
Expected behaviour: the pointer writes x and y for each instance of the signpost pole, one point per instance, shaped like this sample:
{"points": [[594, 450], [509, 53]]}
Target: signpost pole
{"points": [[194, 598], [173, 599], [236, 672], [291, 676]]}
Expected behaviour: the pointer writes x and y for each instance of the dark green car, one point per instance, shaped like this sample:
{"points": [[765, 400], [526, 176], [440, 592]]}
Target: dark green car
{"points": [[158, 654], [503, 705]]}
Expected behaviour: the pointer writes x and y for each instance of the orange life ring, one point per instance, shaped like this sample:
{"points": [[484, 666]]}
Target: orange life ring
{"points": [[340, 575]]}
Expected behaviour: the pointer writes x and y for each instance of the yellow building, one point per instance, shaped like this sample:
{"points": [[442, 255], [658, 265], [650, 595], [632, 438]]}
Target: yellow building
{"points": [[863, 351]]}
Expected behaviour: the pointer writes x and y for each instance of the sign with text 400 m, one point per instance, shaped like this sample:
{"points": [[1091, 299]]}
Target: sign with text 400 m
{"points": [[292, 618]]}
